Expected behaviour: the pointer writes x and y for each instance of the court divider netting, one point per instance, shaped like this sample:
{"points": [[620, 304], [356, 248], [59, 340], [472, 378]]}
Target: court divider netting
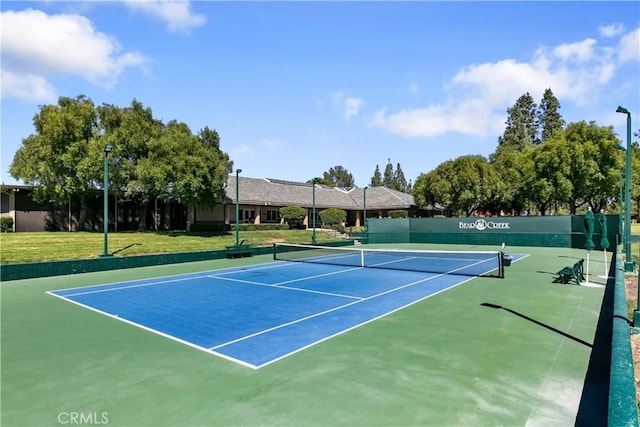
{"points": [[464, 263]]}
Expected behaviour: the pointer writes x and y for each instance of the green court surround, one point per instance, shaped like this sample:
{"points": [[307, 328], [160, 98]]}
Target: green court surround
{"points": [[513, 351]]}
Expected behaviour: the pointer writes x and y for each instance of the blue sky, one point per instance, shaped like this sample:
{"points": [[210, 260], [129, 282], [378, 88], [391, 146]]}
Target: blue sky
{"points": [[295, 88]]}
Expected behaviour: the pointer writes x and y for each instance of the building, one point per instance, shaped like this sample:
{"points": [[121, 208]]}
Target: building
{"points": [[260, 201]]}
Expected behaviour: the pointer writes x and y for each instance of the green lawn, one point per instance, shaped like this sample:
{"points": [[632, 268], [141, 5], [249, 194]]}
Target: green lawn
{"points": [[49, 246]]}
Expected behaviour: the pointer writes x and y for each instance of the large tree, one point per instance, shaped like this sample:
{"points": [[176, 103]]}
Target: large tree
{"points": [[376, 179], [149, 160], [338, 176], [548, 120], [387, 177], [63, 158], [521, 129], [399, 180], [594, 158], [462, 186]]}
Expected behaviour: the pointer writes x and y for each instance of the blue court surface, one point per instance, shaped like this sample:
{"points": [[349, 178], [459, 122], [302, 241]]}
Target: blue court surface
{"points": [[259, 314]]}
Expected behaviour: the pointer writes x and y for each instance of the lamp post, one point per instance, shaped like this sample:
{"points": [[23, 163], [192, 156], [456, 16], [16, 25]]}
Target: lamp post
{"points": [[628, 264], [105, 220], [620, 185], [365, 207], [237, 207], [313, 211]]}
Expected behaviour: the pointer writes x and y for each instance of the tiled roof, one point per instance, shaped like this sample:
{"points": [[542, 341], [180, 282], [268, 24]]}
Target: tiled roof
{"points": [[267, 191]]}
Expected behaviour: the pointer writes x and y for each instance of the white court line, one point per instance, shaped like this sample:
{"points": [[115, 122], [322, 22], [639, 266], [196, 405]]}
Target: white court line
{"points": [[293, 322], [317, 275], [141, 285], [155, 331], [270, 285], [185, 276], [232, 270], [108, 287]]}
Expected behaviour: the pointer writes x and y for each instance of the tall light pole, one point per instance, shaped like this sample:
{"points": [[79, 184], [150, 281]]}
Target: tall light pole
{"points": [[313, 211], [105, 220], [620, 185], [628, 264], [365, 207], [237, 207]]}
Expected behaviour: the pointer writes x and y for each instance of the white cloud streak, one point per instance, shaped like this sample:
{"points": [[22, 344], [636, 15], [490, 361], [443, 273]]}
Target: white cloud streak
{"points": [[177, 15], [611, 30], [37, 46], [352, 107], [629, 47], [349, 106]]}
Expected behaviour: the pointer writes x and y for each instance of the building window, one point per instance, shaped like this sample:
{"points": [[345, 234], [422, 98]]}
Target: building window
{"points": [[247, 216], [273, 215]]}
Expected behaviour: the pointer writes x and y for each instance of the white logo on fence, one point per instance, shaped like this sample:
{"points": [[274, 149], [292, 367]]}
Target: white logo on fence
{"points": [[482, 224]]}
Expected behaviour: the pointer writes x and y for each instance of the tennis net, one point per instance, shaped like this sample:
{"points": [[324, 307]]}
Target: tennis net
{"points": [[465, 263]]}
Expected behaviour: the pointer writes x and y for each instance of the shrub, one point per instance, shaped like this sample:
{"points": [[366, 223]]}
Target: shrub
{"points": [[293, 215], [333, 216], [339, 228], [400, 213], [6, 224]]}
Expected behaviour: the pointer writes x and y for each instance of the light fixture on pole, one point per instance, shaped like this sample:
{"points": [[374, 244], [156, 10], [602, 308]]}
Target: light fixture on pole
{"points": [[105, 219], [628, 264], [237, 207], [313, 211]]}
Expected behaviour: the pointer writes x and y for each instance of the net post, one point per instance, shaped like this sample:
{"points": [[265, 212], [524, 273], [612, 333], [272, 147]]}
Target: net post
{"points": [[274, 252], [501, 264]]}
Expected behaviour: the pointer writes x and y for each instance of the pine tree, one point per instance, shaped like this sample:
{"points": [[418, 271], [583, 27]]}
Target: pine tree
{"points": [[376, 179], [387, 178], [549, 120], [400, 180], [521, 123]]}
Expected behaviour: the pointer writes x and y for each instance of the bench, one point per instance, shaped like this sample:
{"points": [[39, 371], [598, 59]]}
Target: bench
{"points": [[570, 274], [238, 251]]}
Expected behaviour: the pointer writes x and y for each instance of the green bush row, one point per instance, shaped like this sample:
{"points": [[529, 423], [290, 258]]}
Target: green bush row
{"points": [[261, 227], [225, 228]]}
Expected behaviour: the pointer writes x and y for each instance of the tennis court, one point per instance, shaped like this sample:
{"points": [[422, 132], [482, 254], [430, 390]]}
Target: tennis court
{"points": [[451, 350], [257, 315]]}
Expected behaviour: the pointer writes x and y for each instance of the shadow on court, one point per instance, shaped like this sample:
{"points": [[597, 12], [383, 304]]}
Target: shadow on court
{"points": [[537, 322], [594, 403]]}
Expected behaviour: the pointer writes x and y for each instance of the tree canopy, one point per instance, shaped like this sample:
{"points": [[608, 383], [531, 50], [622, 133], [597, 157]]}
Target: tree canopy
{"points": [[539, 163], [338, 176], [149, 159]]}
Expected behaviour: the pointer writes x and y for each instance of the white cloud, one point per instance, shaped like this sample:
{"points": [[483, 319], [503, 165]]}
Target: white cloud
{"points": [[349, 106], [479, 94], [629, 47], [40, 46], [611, 30], [581, 51], [352, 107], [28, 87], [414, 88], [177, 15]]}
